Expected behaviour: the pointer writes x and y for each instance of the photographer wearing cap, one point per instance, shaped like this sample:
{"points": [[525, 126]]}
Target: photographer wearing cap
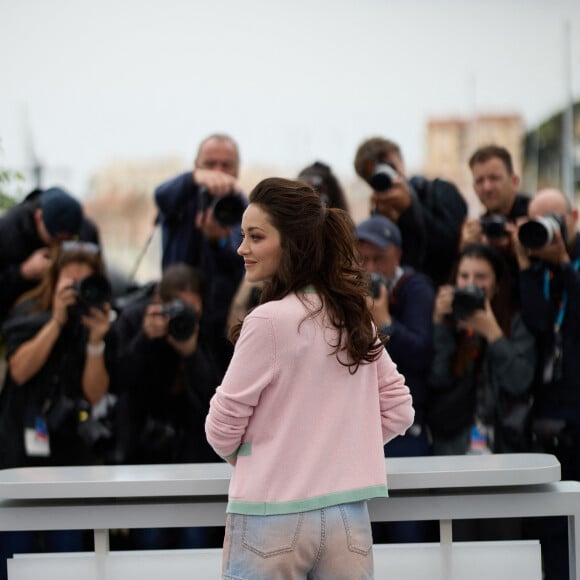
{"points": [[199, 213], [27, 232], [401, 308], [428, 213], [548, 252]]}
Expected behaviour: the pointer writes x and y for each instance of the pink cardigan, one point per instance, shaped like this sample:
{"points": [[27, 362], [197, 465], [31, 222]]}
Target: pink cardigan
{"points": [[307, 434]]}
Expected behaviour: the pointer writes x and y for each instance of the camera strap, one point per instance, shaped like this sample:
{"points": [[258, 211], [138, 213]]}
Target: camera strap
{"points": [[564, 301], [553, 362]]}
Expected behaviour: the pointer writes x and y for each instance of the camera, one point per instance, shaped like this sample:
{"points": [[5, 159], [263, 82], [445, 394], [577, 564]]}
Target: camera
{"points": [[539, 232], [376, 280], [466, 301], [383, 177], [92, 292], [493, 226], [227, 209], [182, 319]]}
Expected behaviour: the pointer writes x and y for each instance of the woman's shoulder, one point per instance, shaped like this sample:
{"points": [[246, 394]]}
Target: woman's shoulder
{"points": [[291, 306]]}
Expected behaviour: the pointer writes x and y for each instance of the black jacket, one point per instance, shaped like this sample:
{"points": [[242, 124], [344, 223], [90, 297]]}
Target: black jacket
{"points": [[18, 240], [163, 397]]}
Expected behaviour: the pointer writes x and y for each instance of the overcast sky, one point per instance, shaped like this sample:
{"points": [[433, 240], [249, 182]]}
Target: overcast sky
{"points": [[292, 81]]}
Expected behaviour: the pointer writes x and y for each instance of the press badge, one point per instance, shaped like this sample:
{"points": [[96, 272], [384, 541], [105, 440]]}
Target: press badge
{"points": [[36, 441]]}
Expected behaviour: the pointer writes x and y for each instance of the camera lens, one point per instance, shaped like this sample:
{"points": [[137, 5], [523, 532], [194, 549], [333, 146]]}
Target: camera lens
{"points": [[536, 233], [228, 210], [466, 301], [383, 177]]}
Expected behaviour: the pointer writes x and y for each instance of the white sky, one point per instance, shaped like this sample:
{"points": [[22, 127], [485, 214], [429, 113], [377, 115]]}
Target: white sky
{"points": [[292, 81]]}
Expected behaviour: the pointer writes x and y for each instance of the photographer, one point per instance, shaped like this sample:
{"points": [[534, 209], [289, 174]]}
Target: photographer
{"points": [[28, 231], [483, 363], [192, 234], [58, 378], [429, 213], [167, 378], [548, 252], [401, 308], [496, 184]]}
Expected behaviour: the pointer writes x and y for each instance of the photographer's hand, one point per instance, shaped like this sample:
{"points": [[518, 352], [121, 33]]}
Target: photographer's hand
{"points": [[154, 322], [471, 232], [64, 296], [211, 229], [393, 202], [443, 304], [379, 307], [484, 323], [98, 321], [34, 267], [216, 182]]}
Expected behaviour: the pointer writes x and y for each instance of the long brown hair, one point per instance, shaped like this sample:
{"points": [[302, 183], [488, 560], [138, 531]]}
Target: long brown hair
{"points": [[70, 253], [319, 249]]}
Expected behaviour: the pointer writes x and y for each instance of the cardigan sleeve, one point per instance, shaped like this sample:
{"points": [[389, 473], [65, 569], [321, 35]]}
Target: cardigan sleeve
{"points": [[396, 404], [251, 370]]}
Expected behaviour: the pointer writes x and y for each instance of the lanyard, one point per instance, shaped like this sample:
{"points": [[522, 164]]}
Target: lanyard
{"points": [[564, 301]]}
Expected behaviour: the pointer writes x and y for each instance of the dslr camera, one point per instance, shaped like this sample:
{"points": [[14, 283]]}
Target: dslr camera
{"points": [[376, 280], [383, 177], [182, 319], [539, 232], [92, 292], [493, 226], [466, 301], [227, 209]]}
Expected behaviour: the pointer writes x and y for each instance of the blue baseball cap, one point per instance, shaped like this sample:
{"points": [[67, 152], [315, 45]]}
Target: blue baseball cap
{"points": [[61, 212], [380, 231]]}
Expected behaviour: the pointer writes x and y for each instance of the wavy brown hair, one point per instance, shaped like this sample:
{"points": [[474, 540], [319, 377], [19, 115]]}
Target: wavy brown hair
{"points": [[319, 250]]}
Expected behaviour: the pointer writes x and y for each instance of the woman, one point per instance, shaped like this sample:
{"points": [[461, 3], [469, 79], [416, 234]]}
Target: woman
{"points": [[484, 361], [308, 400], [56, 374], [56, 363]]}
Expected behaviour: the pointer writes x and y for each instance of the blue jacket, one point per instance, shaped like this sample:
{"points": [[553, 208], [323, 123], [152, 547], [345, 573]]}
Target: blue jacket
{"points": [[410, 343]]}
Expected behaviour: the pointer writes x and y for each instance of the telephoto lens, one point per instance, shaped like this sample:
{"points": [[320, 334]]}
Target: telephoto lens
{"points": [[539, 232]]}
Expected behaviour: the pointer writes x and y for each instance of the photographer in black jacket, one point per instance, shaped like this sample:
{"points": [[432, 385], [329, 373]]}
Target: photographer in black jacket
{"points": [[166, 380], [429, 213], [548, 252], [28, 231], [194, 234]]}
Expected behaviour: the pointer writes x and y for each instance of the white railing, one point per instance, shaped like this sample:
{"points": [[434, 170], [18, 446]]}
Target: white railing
{"points": [[420, 488]]}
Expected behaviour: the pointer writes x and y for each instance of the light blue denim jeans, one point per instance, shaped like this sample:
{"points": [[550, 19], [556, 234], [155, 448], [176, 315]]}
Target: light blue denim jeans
{"points": [[332, 543]]}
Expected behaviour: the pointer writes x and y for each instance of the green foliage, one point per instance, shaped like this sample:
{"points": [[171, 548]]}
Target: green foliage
{"points": [[7, 177]]}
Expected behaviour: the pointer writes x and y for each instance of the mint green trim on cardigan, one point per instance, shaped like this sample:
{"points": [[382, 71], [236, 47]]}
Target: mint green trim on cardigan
{"points": [[303, 505], [243, 450]]}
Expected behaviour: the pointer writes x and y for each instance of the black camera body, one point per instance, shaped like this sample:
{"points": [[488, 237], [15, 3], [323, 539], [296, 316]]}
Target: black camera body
{"points": [[466, 301], [227, 209], [539, 232], [376, 280], [92, 292], [383, 177], [493, 226], [183, 319]]}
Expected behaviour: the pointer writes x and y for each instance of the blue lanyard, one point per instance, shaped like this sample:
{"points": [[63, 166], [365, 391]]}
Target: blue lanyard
{"points": [[564, 302]]}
